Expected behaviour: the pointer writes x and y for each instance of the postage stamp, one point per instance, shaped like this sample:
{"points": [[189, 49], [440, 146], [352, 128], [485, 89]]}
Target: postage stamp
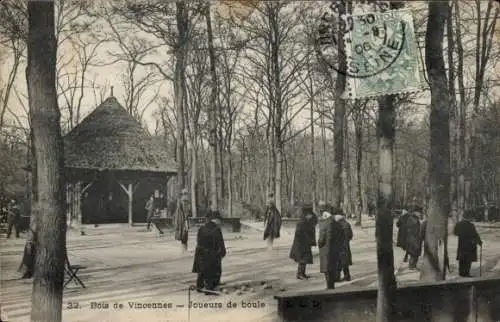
{"points": [[334, 25], [382, 55]]}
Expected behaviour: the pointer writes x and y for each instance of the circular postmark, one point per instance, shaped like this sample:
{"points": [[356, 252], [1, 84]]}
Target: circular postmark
{"points": [[361, 45]]}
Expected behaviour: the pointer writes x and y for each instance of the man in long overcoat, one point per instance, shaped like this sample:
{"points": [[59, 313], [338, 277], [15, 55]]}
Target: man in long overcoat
{"points": [[303, 240], [210, 249], [413, 239], [272, 222], [181, 220], [331, 243], [468, 239], [346, 258], [402, 234]]}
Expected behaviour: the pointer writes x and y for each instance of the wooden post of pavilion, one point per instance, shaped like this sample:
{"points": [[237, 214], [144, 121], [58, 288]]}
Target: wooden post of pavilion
{"points": [[129, 190]]}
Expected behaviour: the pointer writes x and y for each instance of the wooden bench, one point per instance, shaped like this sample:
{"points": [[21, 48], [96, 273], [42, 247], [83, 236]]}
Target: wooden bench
{"points": [[234, 223], [413, 302]]}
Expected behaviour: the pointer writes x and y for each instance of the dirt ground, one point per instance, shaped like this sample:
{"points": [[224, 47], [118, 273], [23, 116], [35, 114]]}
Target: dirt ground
{"points": [[134, 275]]}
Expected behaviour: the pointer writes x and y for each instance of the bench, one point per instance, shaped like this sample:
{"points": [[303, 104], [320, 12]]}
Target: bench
{"points": [[232, 222], [445, 300]]}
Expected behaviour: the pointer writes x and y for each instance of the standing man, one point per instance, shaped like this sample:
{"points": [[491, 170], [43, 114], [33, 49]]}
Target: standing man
{"points": [[210, 249], [272, 222], [149, 211], [181, 220], [303, 240], [330, 242], [468, 239], [413, 239], [14, 218], [346, 258], [402, 234]]}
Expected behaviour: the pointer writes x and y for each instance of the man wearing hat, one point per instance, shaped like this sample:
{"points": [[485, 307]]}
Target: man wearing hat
{"points": [[210, 249], [272, 222], [181, 220], [331, 243], [14, 218]]}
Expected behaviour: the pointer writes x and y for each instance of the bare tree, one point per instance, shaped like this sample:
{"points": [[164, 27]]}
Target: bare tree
{"points": [[275, 61], [136, 79], [439, 168], [12, 40], [47, 143]]}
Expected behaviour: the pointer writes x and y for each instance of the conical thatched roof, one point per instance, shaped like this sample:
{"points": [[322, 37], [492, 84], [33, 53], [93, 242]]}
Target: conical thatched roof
{"points": [[111, 139]]}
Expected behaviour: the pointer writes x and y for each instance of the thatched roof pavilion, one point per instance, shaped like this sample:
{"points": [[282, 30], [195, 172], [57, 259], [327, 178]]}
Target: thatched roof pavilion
{"points": [[110, 145], [111, 139]]}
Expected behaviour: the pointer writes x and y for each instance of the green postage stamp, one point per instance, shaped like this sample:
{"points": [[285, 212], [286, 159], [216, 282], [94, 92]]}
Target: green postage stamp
{"points": [[382, 55]]}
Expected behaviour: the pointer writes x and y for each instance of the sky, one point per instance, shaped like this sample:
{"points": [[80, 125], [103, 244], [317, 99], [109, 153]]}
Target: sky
{"points": [[107, 76]]}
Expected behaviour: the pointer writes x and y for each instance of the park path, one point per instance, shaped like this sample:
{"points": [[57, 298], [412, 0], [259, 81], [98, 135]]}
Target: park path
{"points": [[130, 265]]}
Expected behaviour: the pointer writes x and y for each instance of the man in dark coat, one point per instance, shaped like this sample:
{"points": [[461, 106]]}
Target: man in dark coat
{"points": [[149, 211], [272, 222], [468, 239], [413, 239], [402, 234], [303, 240], [331, 243], [14, 218], [210, 249], [181, 219], [346, 258]]}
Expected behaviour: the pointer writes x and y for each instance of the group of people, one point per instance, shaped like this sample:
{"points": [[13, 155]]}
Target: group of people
{"points": [[335, 235], [411, 235]]}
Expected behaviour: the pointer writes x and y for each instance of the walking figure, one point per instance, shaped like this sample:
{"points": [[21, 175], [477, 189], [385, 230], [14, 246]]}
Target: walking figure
{"points": [[303, 240], [468, 239], [210, 249], [272, 222]]}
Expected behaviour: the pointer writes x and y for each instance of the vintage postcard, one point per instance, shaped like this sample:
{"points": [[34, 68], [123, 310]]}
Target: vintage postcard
{"points": [[249, 160]]}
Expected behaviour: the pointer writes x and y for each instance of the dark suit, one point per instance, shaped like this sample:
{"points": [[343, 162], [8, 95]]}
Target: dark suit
{"points": [[14, 219], [331, 243], [468, 239], [346, 258], [210, 250], [303, 240]]}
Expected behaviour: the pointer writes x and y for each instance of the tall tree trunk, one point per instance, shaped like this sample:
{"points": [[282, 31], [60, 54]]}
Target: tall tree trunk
{"points": [[49, 211], [325, 158], [339, 121], [462, 116], [179, 92], [385, 201], [229, 183], [358, 128], [439, 167], [194, 179], [314, 183], [212, 119], [205, 174], [453, 114], [275, 46]]}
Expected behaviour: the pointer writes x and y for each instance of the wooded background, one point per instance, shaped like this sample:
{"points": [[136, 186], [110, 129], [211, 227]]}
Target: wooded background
{"points": [[266, 110]]}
